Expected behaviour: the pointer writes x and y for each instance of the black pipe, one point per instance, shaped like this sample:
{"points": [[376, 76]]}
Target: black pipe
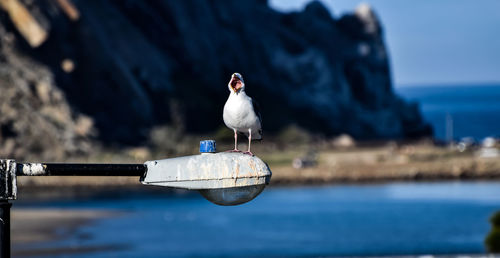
{"points": [[5, 228], [60, 169], [68, 169]]}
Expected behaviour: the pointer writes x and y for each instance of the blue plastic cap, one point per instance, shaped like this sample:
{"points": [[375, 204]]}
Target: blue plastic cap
{"points": [[207, 146]]}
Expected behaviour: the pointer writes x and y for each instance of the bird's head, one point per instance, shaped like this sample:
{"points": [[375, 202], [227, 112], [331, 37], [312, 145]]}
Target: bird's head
{"points": [[236, 84]]}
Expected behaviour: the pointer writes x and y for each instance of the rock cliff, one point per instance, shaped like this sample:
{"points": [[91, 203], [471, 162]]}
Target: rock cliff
{"points": [[134, 64]]}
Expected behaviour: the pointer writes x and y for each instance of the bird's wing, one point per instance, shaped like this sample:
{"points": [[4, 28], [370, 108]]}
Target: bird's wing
{"points": [[256, 109]]}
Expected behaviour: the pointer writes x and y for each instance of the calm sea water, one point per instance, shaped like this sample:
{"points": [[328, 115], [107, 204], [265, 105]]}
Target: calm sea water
{"points": [[353, 220], [475, 109]]}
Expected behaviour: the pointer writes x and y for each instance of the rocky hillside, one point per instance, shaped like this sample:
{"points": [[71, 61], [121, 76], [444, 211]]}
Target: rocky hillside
{"points": [[132, 64], [36, 121]]}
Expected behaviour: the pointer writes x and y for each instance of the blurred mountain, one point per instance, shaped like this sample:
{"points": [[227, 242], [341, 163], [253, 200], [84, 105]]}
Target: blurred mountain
{"points": [[133, 64]]}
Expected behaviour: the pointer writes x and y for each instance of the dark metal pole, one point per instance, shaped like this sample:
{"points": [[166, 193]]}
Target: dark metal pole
{"points": [[68, 169], [9, 169], [5, 228], [8, 191]]}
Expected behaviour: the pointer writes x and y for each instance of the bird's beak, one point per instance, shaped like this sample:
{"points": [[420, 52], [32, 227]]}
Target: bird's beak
{"points": [[235, 83]]}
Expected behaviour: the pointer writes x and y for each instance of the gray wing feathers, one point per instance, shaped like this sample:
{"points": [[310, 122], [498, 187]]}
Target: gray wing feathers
{"points": [[256, 109]]}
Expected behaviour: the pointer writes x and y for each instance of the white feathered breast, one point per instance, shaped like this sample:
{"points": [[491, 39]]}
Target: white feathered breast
{"points": [[239, 114]]}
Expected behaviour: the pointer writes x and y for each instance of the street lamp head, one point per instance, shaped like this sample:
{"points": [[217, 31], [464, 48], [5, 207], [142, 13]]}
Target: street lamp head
{"points": [[222, 178]]}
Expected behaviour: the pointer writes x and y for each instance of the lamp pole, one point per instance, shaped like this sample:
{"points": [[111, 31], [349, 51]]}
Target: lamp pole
{"points": [[222, 178], [8, 191], [9, 169], [80, 169], [5, 228]]}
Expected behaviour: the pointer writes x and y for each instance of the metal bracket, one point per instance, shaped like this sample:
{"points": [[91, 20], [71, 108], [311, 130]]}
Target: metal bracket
{"points": [[8, 182]]}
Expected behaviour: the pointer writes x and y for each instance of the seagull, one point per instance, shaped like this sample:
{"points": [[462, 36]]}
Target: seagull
{"points": [[241, 113]]}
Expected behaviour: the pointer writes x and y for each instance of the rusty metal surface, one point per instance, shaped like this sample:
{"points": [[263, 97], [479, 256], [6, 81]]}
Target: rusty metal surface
{"points": [[208, 171]]}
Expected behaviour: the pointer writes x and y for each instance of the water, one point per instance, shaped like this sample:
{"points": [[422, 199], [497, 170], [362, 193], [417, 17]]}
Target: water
{"points": [[475, 109], [359, 220]]}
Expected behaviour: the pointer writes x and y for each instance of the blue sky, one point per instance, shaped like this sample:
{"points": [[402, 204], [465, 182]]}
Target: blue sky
{"points": [[433, 42]]}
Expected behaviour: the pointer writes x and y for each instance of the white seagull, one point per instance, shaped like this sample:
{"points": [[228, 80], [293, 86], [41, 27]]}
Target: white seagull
{"points": [[241, 113]]}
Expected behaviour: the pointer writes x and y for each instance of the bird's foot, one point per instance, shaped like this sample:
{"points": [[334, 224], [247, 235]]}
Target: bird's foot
{"points": [[248, 153], [235, 150]]}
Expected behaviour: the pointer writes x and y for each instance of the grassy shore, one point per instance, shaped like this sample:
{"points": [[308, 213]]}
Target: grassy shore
{"points": [[324, 163], [388, 163]]}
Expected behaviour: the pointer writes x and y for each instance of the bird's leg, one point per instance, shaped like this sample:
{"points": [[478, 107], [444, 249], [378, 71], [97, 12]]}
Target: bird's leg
{"points": [[249, 142], [235, 142]]}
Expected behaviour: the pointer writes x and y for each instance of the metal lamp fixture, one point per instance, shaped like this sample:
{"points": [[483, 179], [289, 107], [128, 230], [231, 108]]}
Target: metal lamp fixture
{"points": [[222, 178]]}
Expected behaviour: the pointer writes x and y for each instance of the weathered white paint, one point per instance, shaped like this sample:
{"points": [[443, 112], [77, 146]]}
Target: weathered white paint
{"points": [[33, 169], [208, 171]]}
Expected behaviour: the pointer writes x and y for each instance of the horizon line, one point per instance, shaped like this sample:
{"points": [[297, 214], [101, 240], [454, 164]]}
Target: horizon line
{"points": [[446, 84]]}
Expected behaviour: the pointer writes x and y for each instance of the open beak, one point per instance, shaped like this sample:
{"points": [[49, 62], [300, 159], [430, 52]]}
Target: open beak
{"points": [[235, 83]]}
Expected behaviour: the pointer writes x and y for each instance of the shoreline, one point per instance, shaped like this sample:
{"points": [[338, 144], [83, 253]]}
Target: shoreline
{"points": [[35, 230], [322, 166], [29, 195]]}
